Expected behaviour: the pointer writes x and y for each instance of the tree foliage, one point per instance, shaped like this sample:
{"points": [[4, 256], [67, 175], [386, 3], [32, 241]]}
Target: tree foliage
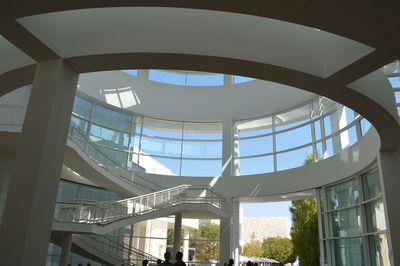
{"points": [[253, 249], [305, 231], [305, 227], [206, 250], [280, 249]]}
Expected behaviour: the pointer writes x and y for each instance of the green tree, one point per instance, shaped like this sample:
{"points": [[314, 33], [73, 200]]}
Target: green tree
{"points": [[280, 249], [253, 249], [206, 250], [305, 227]]}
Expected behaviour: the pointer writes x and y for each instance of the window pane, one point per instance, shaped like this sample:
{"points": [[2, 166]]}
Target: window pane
{"points": [[255, 146], [345, 223], [241, 79], [372, 186], [112, 119], [162, 128], [343, 195], [82, 107], [132, 72], [109, 137], [201, 167], [375, 213], [161, 147], [347, 252], [161, 166], [167, 77], [336, 121], [395, 82], [202, 149], [379, 250], [207, 131], [365, 126], [80, 123], [319, 151], [293, 138], [292, 118], [256, 165], [205, 80], [293, 159], [253, 127]]}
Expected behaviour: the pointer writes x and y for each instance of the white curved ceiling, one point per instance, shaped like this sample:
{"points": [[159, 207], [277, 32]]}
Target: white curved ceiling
{"points": [[181, 30], [209, 103], [12, 57]]}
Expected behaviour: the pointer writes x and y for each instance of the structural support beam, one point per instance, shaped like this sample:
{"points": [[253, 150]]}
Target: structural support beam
{"points": [[177, 235], [65, 248], [229, 233], [389, 169], [28, 215]]}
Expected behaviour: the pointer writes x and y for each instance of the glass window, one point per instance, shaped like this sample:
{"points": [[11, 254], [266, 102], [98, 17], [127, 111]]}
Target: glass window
{"points": [[293, 138], [293, 159], [379, 250], [255, 165], [162, 128], [201, 167], [336, 121], [365, 126], [205, 80], [80, 123], [292, 118], [319, 151], [345, 223], [112, 119], [108, 137], [202, 149], [254, 146], [394, 82], [375, 213], [343, 195], [82, 107], [253, 127], [397, 96], [371, 183], [202, 131], [167, 77], [241, 79], [132, 72], [161, 147], [347, 252], [317, 127], [120, 158], [161, 166]]}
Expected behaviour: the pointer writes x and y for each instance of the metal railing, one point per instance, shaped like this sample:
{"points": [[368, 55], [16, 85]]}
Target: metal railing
{"points": [[101, 158], [103, 213], [115, 249]]}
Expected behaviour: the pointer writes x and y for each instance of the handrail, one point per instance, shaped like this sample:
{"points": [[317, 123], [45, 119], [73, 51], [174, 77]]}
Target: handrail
{"points": [[128, 174], [114, 249], [103, 213]]}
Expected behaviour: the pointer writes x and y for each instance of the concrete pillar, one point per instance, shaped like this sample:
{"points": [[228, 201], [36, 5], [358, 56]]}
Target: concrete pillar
{"points": [[389, 169], [65, 248], [177, 235], [28, 214], [186, 245], [230, 233], [227, 148]]}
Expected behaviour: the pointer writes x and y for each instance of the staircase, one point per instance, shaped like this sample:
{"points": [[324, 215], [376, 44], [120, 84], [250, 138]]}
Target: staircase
{"points": [[103, 217], [92, 150]]}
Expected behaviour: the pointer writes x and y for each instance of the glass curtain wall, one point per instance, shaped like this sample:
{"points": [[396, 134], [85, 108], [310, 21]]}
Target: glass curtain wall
{"points": [[150, 145], [316, 130], [70, 192], [352, 221]]}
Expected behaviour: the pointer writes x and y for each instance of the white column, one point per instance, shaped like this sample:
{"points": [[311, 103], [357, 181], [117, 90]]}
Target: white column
{"points": [[338, 120], [229, 233], [177, 235], [186, 246], [389, 170], [227, 148], [28, 214], [65, 248]]}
